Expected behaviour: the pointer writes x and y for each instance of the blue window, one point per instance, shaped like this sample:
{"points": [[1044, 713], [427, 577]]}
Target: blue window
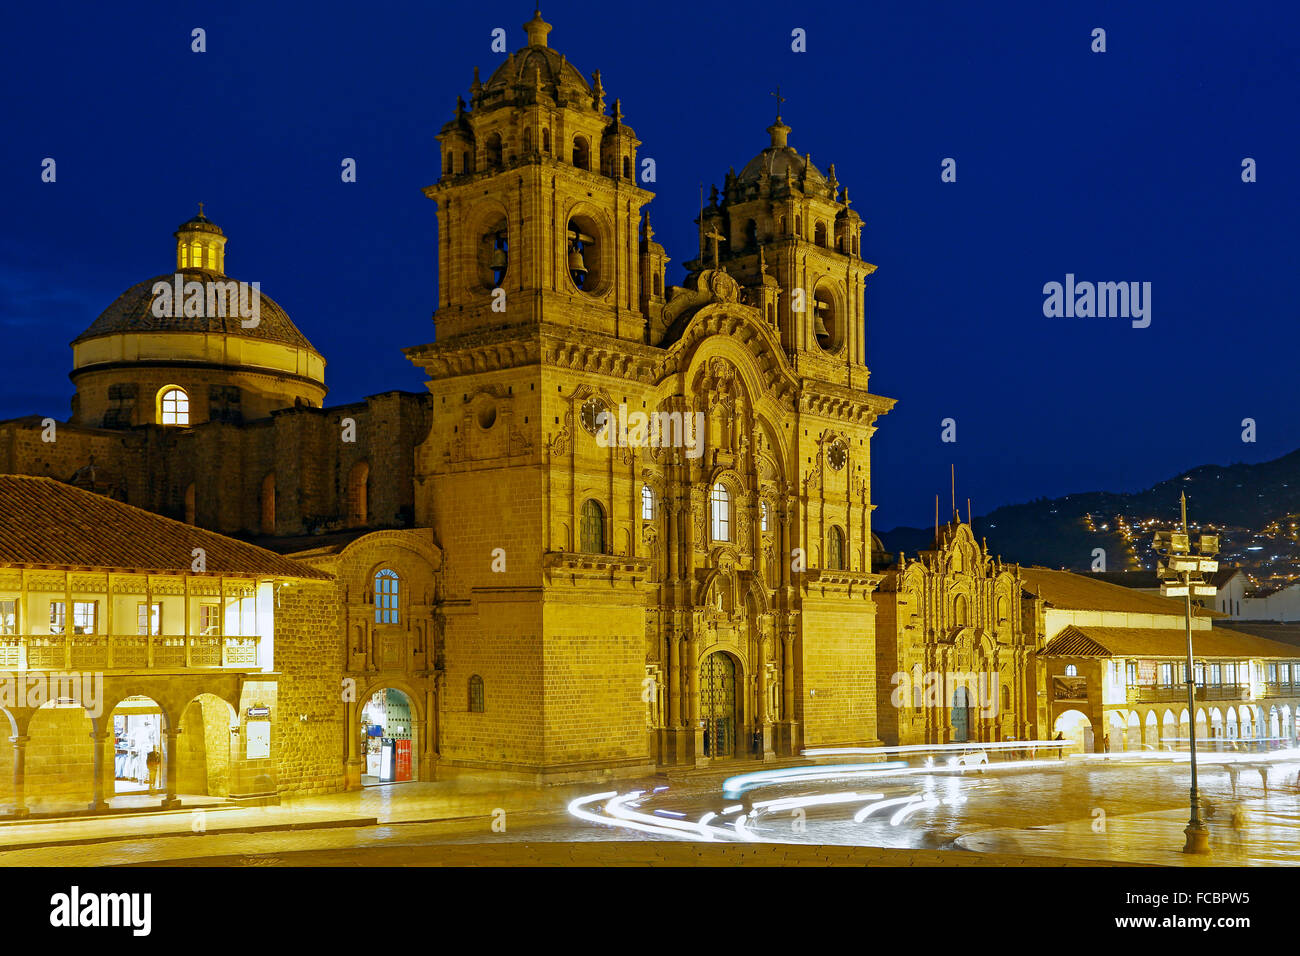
{"points": [[386, 597]]}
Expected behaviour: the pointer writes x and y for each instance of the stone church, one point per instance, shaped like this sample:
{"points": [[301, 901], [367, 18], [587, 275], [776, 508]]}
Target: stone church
{"points": [[531, 596]]}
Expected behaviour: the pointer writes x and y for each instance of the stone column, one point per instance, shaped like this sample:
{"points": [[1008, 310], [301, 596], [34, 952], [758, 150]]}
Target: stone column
{"points": [[172, 765], [676, 714], [103, 775], [787, 674], [694, 721], [20, 771], [354, 765]]}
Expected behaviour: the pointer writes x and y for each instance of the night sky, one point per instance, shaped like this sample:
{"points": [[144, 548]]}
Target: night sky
{"points": [[1115, 166]]}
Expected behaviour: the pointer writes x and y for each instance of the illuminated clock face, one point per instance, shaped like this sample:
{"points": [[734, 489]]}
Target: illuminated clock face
{"points": [[837, 455], [590, 414]]}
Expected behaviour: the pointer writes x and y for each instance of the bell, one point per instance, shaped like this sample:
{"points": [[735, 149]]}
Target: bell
{"points": [[575, 261], [819, 327], [498, 259]]}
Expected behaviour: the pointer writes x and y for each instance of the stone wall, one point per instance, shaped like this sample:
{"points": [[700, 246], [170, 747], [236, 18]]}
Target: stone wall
{"points": [[309, 658]]}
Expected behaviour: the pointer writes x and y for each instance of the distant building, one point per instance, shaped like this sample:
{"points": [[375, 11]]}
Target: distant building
{"points": [[1279, 603], [1114, 658]]}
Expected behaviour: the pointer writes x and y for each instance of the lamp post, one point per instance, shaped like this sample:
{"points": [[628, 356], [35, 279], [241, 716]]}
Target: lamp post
{"points": [[1181, 576]]}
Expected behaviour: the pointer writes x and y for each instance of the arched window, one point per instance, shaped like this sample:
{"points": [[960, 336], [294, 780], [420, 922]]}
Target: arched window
{"points": [[190, 514], [835, 549], [528, 141], [173, 406], [476, 695], [627, 168], [546, 141], [581, 153], [593, 527], [647, 503], [386, 596], [819, 234], [358, 482], [1071, 670], [960, 611], [721, 513], [762, 515], [268, 504], [494, 150], [467, 162], [798, 226], [751, 234]]}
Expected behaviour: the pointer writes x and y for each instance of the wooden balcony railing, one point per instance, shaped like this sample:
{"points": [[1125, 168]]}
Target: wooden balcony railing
{"points": [[1154, 693], [127, 652]]}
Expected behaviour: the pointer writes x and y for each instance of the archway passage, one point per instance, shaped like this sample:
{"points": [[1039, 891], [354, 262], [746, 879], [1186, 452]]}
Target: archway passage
{"points": [[203, 746], [388, 738], [1074, 725], [718, 704], [138, 747]]}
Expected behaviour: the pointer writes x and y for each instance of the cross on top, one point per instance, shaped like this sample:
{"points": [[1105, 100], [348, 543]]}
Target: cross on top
{"points": [[717, 237], [200, 209], [779, 100]]}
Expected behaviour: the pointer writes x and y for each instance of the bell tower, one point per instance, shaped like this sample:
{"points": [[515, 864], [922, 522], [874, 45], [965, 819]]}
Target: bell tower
{"points": [[538, 208], [783, 222]]}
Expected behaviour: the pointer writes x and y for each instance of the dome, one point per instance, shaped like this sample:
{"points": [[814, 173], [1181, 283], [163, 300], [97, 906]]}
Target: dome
{"points": [[132, 311], [537, 64], [780, 161], [200, 257]]}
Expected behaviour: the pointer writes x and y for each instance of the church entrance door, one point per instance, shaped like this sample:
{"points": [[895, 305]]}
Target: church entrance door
{"points": [[718, 704]]}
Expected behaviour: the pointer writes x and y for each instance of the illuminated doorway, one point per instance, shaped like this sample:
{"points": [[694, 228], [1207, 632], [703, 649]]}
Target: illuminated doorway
{"points": [[718, 704], [388, 738], [962, 718], [137, 746]]}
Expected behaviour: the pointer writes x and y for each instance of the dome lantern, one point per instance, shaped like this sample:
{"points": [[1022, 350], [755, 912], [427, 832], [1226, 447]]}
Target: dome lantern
{"points": [[200, 244], [537, 29]]}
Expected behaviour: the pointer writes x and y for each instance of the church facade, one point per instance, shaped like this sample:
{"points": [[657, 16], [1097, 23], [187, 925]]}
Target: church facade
{"points": [[628, 527], [631, 602]]}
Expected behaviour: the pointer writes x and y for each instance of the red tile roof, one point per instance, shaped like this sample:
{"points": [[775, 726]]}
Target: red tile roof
{"points": [[47, 524], [1081, 592], [1075, 641]]}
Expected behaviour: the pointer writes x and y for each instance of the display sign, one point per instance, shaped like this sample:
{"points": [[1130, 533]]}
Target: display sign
{"points": [[1146, 672], [259, 711]]}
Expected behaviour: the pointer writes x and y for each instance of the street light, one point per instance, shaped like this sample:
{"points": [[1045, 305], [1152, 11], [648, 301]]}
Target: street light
{"points": [[1181, 576]]}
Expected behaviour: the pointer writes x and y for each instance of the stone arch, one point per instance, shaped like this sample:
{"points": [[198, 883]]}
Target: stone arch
{"points": [[204, 746], [1151, 732], [1075, 726], [413, 723], [1133, 735], [1169, 730]]}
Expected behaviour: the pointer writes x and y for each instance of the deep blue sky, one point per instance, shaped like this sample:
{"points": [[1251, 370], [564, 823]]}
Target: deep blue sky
{"points": [[1116, 166]]}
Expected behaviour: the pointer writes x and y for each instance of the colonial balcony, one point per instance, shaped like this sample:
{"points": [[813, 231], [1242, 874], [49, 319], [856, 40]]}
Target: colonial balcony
{"points": [[1275, 688], [1171, 693], [128, 653]]}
